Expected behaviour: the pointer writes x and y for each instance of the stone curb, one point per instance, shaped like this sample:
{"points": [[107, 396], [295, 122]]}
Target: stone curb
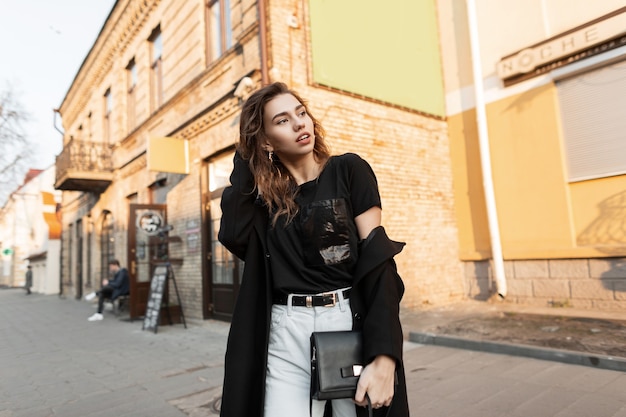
{"points": [[565, 356]]}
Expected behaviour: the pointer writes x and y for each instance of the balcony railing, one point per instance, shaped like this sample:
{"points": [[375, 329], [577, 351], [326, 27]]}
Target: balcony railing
{"points": [[84, 166]]}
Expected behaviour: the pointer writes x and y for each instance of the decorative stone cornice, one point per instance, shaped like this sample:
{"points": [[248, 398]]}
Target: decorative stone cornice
{"points": [[138, 164], [223, 110]]}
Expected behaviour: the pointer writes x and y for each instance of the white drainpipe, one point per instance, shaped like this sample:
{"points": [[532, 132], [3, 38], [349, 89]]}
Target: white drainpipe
{"points": [[485, 156]]}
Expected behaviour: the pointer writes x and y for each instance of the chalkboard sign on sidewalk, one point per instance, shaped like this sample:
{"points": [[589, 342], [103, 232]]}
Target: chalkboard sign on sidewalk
{"points": [[157, 286], [162, 273]]}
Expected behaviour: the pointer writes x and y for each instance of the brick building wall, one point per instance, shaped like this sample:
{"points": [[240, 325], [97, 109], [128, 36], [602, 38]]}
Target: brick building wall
{"points": [[183, 210], [408, 151], [192, 109]]}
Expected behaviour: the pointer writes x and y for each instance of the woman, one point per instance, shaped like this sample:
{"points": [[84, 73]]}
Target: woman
{"points": [[307, 226]]}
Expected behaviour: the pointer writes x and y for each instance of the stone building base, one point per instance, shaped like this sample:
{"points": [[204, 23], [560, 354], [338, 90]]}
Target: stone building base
{"points": [[578, 283]]}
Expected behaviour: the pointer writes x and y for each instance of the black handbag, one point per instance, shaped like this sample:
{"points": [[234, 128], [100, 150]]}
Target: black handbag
{"points": [[336, 364]]}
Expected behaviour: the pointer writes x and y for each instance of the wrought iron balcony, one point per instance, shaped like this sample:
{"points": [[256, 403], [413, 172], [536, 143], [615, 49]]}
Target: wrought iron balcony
{"points": [[84, 166]]}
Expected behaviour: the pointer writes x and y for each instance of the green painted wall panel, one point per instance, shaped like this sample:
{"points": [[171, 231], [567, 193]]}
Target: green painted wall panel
{"points": [[387, 50]]}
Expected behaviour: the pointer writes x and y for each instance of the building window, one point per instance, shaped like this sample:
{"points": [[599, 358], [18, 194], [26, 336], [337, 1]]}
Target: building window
{"points": [[131, 80], [158, 192], [592, 113], [89, 128], [107, 245], [219, 29], [108, 106], [156, 68]]}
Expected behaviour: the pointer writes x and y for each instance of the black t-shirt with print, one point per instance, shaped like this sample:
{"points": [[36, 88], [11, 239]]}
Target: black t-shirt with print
{"points": [[317, 251]]}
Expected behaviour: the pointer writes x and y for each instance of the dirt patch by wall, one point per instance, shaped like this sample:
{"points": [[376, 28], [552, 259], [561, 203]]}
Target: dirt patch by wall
{"points": [[599, 336]]}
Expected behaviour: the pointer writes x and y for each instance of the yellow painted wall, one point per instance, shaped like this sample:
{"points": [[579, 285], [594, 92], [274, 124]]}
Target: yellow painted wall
{"points": [[541, 215], [599, 211], [528, 167], [383, 50], [469, 198]]}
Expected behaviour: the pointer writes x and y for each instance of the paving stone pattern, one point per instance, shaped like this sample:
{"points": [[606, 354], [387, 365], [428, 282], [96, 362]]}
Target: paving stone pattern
{"points": [[53, 362]]}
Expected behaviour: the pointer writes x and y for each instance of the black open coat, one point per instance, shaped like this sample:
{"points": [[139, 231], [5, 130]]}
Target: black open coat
{"points": [[375, 298]]}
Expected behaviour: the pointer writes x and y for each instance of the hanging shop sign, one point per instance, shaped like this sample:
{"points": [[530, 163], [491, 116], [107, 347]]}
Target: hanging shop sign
{"points": [[150, 222], [598, 36]]}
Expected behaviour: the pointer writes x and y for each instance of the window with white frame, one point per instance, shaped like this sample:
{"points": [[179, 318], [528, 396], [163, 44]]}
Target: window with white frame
{"points": [[131, 80], [156, 68], [108, 107], [219, 28]]}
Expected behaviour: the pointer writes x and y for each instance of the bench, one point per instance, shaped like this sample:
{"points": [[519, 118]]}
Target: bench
{"points": [[120, 304]]}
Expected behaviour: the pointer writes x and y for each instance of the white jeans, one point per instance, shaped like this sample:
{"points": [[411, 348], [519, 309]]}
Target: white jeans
{"points": [[288, 380]]}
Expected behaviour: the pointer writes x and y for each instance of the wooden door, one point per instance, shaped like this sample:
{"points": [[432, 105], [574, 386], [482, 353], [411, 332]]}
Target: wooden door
{"points": [[146, 221], [223, 270]]}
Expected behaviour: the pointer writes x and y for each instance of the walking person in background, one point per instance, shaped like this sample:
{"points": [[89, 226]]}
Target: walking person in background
{"points": [[119, 285], [307, 225], [28, 279]]}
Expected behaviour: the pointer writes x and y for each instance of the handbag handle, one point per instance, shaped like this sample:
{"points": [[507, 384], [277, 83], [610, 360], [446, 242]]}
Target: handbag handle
{"points": [[370, 411]]}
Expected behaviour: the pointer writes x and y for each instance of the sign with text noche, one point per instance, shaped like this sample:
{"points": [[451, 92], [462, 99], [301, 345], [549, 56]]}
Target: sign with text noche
{"points": [[597, 36], [168, 155]]}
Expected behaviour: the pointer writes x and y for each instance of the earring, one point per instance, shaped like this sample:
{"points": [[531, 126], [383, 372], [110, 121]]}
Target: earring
{"points": [[270, 155]]}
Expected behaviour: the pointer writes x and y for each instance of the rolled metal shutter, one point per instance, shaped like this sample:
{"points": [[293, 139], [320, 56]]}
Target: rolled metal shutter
{"points": [[593, 114]]}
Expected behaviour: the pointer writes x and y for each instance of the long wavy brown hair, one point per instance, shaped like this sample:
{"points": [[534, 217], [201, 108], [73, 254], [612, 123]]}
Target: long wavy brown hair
{"points": [[273, 181]]}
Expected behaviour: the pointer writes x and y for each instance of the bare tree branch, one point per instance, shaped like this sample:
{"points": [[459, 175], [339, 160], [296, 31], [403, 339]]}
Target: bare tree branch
{"points": [[15, 146]]}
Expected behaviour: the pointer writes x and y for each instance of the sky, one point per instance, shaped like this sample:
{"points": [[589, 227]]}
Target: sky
{"points": [[42, 45]]}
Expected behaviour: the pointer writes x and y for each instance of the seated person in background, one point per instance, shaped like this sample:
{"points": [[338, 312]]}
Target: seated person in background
{"points": [[119, 285]]}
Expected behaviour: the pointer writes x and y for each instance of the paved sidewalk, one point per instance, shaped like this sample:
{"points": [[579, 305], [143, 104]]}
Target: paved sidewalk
{"points": [[53, 362]]}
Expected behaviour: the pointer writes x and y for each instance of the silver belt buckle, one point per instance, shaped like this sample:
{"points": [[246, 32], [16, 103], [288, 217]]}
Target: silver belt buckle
{"points": [[309, 301]]}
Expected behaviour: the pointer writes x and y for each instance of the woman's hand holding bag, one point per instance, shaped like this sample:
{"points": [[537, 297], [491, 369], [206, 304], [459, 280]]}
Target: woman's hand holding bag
{"points": [[377, 381]]}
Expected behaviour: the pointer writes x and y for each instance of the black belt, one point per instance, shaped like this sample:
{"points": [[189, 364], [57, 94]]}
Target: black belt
{"points": [[321, 300]]}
